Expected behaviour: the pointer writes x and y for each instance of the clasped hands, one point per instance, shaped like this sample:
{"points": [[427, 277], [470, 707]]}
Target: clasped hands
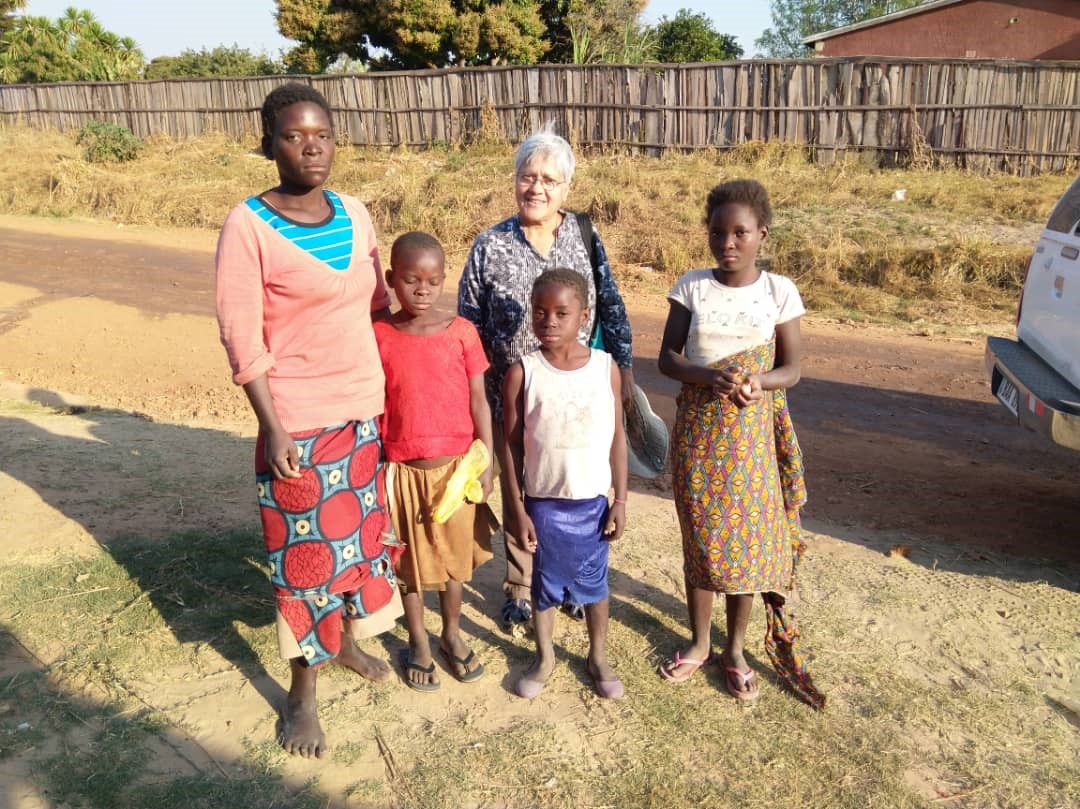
{"points": [[741, 388]]}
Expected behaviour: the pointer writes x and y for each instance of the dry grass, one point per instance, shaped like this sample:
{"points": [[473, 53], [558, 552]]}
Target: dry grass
{"points": [[931, 703], [917, 715], [954, 248]]}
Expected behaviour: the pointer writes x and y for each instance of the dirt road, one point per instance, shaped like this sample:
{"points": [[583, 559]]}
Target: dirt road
{"points": [[899, 431], [952, 667]]}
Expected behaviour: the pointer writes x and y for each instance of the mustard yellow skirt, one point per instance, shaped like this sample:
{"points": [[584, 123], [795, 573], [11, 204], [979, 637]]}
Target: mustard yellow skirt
{"points": [[436, 553]]}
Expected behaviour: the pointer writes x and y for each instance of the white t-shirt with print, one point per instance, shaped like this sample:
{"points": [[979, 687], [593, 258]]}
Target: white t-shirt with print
{"points": [[725, 320]]}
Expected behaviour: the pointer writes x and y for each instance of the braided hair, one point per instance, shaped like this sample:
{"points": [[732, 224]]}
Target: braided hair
{"points": [[285, 96], [750, 193], [562, 277]]}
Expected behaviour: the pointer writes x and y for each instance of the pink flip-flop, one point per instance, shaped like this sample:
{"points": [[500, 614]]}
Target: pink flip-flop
{"points": [[741, 684], [677, 661]]}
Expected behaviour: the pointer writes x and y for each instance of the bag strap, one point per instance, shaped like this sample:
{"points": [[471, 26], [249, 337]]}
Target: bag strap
{"points": [[586, 228], [589, 237]]}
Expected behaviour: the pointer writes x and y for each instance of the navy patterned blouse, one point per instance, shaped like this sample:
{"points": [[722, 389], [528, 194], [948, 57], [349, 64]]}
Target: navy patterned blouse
{"points": [[496, 289]]}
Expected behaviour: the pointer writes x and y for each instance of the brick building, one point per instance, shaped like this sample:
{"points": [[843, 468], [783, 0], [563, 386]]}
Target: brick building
{"points": [[962, 29]]}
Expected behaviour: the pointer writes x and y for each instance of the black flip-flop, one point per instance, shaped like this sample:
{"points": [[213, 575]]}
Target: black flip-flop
{"points": [[429, 669], [470, 676]]}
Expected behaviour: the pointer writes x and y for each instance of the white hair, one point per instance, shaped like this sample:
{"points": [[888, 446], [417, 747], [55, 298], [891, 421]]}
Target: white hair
{"points": [[544, 143]]}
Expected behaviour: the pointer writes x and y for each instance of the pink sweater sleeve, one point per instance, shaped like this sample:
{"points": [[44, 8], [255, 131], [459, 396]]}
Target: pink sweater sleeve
{"points": [[364, 233], [240, 297]]}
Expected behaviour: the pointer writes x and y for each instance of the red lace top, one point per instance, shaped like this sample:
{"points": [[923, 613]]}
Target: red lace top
{"points": [[427, 389]]}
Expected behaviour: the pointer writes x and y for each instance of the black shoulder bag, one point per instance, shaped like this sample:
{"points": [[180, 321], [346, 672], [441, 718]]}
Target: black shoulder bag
{"points": [[596, 339]]}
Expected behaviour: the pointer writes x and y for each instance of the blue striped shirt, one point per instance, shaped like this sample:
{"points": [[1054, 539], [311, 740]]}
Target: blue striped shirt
{"points": [[329, 241]]}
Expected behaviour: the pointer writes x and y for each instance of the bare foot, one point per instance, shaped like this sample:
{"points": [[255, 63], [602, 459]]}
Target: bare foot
{"points": [[371, 668], [301, 733], [600, 670], [532, 682]]}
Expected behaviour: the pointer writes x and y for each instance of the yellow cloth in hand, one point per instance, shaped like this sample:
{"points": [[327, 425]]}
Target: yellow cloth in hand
{"points": [[464, 484]]}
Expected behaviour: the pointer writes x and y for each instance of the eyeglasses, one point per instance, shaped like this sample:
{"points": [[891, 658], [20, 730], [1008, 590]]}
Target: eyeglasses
{"points": [[529, 180]]}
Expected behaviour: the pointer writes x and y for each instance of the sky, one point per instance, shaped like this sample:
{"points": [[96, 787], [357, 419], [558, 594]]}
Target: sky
{"points": [[166, 29]]}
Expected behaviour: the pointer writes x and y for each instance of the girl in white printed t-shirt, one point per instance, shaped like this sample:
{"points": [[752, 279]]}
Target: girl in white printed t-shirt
{"points": [[732, 338]]}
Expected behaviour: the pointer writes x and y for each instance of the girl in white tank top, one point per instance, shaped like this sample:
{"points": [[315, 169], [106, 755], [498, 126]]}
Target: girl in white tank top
{"points": [[569, 421], [564, 450]]}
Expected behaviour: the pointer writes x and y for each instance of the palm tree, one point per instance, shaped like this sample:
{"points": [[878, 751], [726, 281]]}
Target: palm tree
{"points": [[7, 14], [34, 50], [75, 47]]}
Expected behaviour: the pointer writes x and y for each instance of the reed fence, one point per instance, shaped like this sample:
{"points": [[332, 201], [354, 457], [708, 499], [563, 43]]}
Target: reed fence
{"points": [[985, 115]]}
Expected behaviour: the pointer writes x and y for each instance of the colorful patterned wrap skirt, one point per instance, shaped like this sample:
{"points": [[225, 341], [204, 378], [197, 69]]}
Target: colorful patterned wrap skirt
{"points": [[738, 482], [331, 546]]}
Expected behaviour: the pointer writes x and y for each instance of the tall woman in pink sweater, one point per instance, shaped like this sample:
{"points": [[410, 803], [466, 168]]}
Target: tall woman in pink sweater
{"points": [[298, 283]]}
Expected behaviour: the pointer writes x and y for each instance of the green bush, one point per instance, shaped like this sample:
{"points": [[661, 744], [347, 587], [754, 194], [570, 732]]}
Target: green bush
{"points": [[108, 143]]}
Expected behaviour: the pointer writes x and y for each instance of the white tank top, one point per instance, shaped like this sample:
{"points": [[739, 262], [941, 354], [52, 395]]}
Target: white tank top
{"points": [[569, 422]]}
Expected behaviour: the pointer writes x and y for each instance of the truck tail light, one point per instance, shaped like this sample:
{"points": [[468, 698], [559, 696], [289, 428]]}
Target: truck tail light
{"points": [[1023, 285]]}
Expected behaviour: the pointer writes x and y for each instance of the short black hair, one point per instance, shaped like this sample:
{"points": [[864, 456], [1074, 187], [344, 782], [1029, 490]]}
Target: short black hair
{"points": [[560, 276], [750, 193], [285, 96], [415, 241]]}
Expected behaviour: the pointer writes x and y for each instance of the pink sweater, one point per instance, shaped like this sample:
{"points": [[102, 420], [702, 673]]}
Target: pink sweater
{"points": [[306, 326]]}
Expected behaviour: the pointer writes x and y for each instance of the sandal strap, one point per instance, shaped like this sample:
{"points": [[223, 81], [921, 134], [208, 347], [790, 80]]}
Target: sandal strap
{"points": [[428, 669]]}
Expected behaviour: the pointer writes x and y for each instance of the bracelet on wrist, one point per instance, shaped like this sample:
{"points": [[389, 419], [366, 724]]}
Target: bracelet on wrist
{"points": [[620, 502]]}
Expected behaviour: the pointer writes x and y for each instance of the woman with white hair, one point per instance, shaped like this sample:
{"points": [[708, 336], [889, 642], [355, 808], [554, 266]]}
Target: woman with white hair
{"points": [[495, 292]]}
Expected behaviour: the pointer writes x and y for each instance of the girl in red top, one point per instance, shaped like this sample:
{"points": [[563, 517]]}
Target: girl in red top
{"points": [[435, 407]]}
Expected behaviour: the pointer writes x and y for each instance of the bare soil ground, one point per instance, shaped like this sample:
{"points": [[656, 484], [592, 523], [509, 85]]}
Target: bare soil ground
{"points": [[143, 434], [900, 431]]}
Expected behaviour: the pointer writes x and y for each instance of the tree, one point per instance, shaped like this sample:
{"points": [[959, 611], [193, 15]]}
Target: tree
{"points": [[325, 31], [690, 37], [74, 47], [7, 14], [793, 20], [399, 34], [555, 15], [221, 61], [602, 31]]}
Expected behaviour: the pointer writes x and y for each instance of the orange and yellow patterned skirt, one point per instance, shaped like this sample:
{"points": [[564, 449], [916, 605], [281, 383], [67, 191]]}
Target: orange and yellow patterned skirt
{"points": [[738, 481], [737, 475]]}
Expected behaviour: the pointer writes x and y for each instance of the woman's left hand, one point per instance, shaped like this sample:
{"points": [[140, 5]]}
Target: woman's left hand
{"points": [[748, 392], [626, 380]]}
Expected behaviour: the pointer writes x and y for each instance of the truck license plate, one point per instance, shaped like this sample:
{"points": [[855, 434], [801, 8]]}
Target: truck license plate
{"points": [[1008, 396]]}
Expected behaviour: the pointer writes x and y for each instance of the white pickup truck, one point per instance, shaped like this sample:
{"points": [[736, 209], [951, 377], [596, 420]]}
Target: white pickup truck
{"points": [[1037, 376]]}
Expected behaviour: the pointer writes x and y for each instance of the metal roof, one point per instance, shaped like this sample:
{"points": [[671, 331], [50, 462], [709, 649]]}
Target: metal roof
{"points": [[884, 18]]}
